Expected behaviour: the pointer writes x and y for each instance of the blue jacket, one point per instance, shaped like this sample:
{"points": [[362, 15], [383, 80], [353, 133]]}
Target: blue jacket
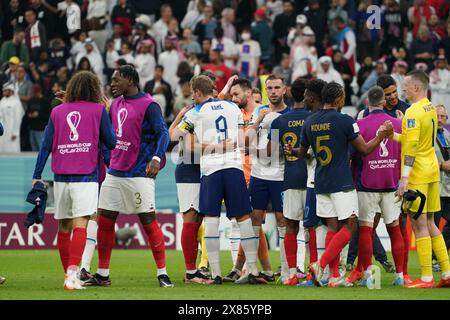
{"points": [[38, 197]]}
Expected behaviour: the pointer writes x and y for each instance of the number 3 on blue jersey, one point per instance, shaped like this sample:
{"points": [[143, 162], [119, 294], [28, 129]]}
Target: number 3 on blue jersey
{"points": [[221, 127]]}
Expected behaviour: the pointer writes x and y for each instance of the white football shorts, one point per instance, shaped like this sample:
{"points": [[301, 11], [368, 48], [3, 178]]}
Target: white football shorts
{"points": [[75, 199], [127, 195]]}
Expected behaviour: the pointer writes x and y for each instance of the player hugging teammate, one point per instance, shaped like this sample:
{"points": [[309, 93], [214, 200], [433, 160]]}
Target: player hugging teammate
{"points": [[317, 167]]}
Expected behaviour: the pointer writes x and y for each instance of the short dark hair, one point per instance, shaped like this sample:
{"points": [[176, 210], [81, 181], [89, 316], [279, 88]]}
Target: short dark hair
{"points": [[274, 77], [385, 81], [298, 88], [331, 92], [158, 66], [375, 95], [420, 76], [129, 72], [316, 86], [243, 83]]}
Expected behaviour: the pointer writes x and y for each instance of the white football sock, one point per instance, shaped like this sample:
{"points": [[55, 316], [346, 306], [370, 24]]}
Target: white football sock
{"points": [[250, 245], [234, 240], [321, 233], [301, 247], [91, 242], [212, 244], [103, 272], [161, 271], [284, 265], [344, 254]]}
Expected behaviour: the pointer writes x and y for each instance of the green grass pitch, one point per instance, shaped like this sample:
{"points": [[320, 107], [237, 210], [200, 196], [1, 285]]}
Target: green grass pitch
{"points": [[38, 275]]}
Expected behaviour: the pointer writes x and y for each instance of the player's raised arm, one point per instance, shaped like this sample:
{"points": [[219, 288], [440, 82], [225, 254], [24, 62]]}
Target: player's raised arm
{"points": [[175, 132]]}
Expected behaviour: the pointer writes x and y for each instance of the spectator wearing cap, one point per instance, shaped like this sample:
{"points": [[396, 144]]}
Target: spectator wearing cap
{"points": [[336, 10], [346, 42], [145, 62], [398, 73], [227, 23], [11, 113], [294, 37], [317, 20], [263, 34], [124, 14], [423, 48], [395, 27], [226, 46], [13, 17], [206, 26], [281, 27], [218, 68], [303, 56], [35, 35], [9, 74], [161, 26], [367, 39], [170, 59], [37, 113], [96, 21], [440, 82], [249, 54], [15, 47]]}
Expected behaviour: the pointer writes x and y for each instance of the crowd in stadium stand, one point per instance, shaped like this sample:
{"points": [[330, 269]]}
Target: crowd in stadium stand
{"points": [[44, 42]]}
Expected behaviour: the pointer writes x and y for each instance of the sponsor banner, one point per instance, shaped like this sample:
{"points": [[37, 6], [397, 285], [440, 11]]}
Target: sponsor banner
{"points": [[129, 232]]}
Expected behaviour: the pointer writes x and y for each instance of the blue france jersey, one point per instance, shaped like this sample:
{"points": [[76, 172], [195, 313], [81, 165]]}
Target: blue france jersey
{"points": [[329, 133], [289, 126]]}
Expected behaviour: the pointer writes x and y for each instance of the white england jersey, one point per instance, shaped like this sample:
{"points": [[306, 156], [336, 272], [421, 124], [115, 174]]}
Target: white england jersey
{"points": [[311, 168], [214, 121], [263, 167]]}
